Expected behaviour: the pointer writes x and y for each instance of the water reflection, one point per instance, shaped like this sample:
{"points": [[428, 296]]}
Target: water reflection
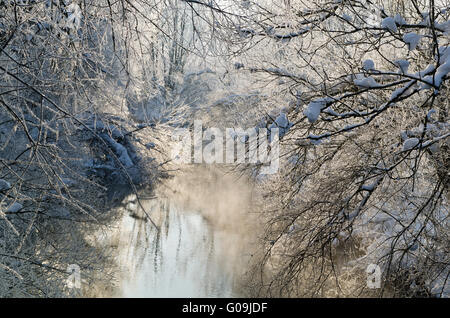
{"points": [[183, 259]]}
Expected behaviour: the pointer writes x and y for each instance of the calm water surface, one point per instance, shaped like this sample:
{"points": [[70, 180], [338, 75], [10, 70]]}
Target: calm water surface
{"points": [[184, 259]]}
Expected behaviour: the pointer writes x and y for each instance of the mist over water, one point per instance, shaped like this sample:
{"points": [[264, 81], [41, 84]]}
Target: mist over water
{"points": [[203, 245]]}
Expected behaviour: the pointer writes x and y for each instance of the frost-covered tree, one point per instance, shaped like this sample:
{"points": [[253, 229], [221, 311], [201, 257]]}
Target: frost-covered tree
{"points": [[365, 180], [68, 70]]}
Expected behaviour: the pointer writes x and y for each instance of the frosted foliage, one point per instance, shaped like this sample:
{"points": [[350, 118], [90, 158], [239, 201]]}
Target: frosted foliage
{"points": [[73, 74], [91, 95], [365, 161], [390, 24], [412, 39]]}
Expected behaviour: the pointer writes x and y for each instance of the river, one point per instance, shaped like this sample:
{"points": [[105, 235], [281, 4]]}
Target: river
{"points": [[182, 259], [198, 250]]}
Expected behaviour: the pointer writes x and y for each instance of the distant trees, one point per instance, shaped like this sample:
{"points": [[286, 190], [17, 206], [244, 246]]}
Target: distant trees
{"points": [[365, 180]]}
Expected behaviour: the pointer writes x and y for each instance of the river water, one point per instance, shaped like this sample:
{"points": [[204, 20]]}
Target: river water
{"points": [[183, 259]]}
